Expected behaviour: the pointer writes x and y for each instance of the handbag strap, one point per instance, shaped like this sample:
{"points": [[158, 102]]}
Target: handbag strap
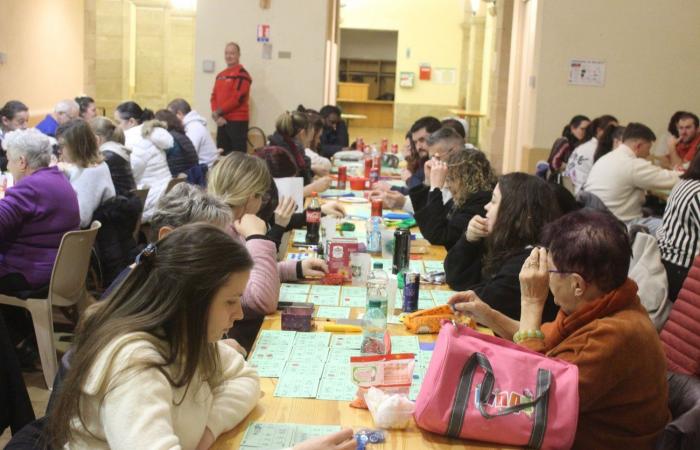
{"points": [[461, 402]]}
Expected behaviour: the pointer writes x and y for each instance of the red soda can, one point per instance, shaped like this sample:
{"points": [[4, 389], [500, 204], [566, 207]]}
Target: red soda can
{"points": [[394, 148], [342, 177], [385, 145], [368, 166]]}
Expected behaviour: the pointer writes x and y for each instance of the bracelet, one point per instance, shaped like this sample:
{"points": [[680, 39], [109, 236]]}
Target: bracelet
{"points": [[520, 336]]}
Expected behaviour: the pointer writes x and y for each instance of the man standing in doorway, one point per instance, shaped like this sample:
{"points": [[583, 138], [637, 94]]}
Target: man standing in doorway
{"points": [[229, 102]]}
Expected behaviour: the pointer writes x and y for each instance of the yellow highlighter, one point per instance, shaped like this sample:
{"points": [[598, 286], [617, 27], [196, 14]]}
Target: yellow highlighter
{"points": [[342, 328]]}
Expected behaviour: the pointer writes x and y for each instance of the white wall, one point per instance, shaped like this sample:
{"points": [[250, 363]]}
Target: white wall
{"points": [[368, 44], [651, 50], [43, 42], [278, 84]]}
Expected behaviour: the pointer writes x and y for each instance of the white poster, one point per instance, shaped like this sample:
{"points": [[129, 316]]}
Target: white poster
{"points": [[445, 76], [587, 72]]}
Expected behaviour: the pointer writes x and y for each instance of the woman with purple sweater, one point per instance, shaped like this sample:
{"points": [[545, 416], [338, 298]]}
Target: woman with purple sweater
{"points": [[34, 215]]}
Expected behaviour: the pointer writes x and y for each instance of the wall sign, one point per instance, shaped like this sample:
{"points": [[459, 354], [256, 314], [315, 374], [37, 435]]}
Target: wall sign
{"points": [[406, 79], [263, 33], [425, 72], [587, 72]]}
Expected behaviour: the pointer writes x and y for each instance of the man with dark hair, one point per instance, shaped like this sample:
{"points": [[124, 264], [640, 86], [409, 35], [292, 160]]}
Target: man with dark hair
{"points": [[196, 130], [621, 177], [421, 129], [688, 127], [334, 136]]}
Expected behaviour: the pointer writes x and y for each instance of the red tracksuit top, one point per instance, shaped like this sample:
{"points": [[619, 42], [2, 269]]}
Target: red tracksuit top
{"points": [[230, 93]]}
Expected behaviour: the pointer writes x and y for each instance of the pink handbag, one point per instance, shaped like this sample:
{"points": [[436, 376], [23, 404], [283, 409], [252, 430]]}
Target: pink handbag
{"points": [[488, 389]]}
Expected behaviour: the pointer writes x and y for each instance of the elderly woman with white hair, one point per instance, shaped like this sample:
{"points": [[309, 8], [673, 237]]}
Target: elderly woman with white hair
{"points": [[34, 215]]}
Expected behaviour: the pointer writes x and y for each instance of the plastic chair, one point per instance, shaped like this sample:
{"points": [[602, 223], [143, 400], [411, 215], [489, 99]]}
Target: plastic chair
{"points": [[67, 288]]}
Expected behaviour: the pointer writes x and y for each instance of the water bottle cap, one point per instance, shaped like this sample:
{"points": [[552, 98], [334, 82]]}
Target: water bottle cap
{"points": [[374, 303], [378, 265]]}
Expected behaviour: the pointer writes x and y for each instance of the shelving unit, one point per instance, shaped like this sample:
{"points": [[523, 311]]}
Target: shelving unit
{"points": [[379, 74]]}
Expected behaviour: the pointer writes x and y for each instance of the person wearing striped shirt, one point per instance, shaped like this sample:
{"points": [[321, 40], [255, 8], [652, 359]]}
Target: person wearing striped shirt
{"points": [[679, 236]]}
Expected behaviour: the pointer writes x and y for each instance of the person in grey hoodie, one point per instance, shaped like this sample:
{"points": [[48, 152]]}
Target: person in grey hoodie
{"points": [[196, 129]]}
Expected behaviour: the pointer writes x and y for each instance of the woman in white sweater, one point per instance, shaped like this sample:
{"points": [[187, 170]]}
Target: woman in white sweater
{"points": [[83, 164], [147, 140], [148, 369]]}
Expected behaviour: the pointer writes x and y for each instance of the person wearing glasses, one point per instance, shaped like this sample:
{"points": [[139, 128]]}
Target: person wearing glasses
{"points": [[601, 327], [486, 260]]}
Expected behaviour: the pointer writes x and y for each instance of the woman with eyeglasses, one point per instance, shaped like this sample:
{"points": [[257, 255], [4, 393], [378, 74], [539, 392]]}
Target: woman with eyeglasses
{"points": [[601, 327], [487, 258]]}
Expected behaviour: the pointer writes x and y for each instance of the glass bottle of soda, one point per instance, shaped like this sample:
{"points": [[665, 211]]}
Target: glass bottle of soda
{"points": [[313, 220]]}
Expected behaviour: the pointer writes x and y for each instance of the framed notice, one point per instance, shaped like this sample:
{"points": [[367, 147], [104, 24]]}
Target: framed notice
{"points": [[406, 79], [587, 72]]}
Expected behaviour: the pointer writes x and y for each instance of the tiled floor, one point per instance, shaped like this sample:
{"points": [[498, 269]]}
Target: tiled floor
{"points": [[38, 394]]}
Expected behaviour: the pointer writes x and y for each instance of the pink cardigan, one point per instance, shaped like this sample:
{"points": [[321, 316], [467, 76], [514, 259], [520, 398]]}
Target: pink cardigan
{"points": [[263, 290]]}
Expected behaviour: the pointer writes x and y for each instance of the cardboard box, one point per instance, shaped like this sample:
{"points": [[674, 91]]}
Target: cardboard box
{"points": [[339, 250]]}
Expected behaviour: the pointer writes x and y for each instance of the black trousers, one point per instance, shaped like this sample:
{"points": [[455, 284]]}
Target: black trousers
{"points": [[16, 410], [18, 320], [676, 276], [233, 137]]}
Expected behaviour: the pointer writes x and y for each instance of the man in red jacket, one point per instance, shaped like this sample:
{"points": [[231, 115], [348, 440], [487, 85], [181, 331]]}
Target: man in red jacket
{"points": [[229, 102]]}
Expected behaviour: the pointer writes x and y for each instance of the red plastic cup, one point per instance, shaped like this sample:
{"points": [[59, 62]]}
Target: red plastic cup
{"points": [[357, 183]]}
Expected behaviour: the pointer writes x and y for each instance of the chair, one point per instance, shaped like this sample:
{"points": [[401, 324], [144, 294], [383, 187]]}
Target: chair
{"points": [[681, 333], [67, 288], [180, 178], [256, 139], [683, 432]]}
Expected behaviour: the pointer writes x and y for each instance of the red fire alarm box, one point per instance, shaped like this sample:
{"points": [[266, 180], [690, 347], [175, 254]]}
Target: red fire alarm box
{"points": [[424, 72]]}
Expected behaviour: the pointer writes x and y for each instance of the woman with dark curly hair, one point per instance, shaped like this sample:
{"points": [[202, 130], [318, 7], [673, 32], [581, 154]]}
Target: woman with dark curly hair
{"points": [[468, 175], [486, 259]]}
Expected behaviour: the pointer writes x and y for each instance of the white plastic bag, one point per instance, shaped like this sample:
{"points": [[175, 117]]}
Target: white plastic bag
{"points": [[389, 411]]}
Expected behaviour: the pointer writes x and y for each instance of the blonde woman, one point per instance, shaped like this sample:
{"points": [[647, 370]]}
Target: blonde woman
{"points": [[241, 181], [88, 173], [469, 177]]}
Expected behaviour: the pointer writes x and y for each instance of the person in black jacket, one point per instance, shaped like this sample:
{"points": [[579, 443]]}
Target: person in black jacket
{"points": [[334, 137], [182, 156], [486, 260], [111, 141], [469, 177]]}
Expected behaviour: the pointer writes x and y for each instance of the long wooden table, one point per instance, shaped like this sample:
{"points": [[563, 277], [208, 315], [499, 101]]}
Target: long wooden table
{"points": [[328, 412]]}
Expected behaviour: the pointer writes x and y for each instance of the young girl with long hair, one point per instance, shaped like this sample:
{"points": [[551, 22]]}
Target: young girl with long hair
{"points": [[486, 260]]}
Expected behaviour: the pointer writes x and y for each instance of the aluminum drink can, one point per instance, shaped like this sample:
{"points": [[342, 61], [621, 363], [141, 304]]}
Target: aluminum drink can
{"points": [[411, 291], [402, 250]]}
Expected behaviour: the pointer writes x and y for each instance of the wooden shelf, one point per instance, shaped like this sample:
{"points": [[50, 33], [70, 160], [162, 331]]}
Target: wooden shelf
{"points": [[378, 74]]}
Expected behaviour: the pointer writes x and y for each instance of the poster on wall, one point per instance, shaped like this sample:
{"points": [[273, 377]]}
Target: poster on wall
{"points": [[406, 79], [263, 33], [445, 76], [587, 72]]}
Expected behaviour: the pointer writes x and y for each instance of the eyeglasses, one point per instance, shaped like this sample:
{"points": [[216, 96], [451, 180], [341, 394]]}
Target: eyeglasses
{"points": [[559, 271]]}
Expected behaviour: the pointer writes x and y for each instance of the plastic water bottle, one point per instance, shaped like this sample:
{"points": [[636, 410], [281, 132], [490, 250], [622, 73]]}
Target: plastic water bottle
{"points": [[374, 228], [373, 329], [377, 286]]}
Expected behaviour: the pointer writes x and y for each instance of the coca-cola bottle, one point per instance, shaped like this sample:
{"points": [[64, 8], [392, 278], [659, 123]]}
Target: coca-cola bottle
{"points": [[313, 220]]}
